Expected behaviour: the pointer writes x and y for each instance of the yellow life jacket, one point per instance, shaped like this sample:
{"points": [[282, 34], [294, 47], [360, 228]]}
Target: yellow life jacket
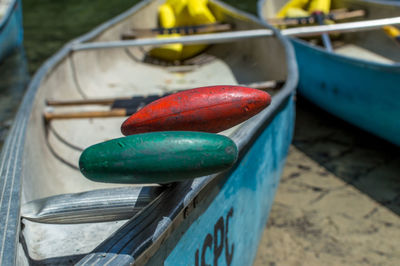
{"points": [[323, 6], [291, 4], [175, 13], [392, 31]]}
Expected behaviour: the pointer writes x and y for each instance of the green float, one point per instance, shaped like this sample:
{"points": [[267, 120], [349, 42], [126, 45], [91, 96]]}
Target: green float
{"points": [[159, 157]]}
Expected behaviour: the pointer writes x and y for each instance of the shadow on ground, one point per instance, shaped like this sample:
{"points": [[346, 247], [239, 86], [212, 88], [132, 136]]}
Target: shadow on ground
{"points": [[369, 163]]}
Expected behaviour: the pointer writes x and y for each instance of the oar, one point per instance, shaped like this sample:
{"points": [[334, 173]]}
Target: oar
{"points": [[183, 30], [121, 107], [335, 16], [118, 112], [224, 37]]}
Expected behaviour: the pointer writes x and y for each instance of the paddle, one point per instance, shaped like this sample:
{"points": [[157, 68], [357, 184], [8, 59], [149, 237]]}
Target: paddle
{"points": [[117, 112], [126, 106], [119, 107], [224, 37], [183, 30], [334, 15]]}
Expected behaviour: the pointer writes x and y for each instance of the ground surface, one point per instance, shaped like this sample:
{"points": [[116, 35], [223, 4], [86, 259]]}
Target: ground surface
{"points": [[339, 198]]}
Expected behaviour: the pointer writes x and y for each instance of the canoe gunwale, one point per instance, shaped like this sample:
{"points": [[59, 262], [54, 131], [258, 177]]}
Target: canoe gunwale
{"points": [[348, 59], [6, 18], [12, 152]]}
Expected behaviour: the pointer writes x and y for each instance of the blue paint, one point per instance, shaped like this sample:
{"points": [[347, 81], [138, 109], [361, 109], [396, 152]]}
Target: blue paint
{"points": [[243, 202], [11, 30], [363, 93]]}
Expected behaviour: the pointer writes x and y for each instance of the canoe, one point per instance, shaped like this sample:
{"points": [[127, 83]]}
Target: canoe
{"points": [[358, 81], [51, 214], [11, 31]]}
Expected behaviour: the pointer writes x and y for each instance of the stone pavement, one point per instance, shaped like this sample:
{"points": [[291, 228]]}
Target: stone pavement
{"points": [[339, 198]]}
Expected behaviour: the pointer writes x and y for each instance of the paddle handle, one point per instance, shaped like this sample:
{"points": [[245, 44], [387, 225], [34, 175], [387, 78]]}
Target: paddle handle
{"points": [[183, 30], [90, 114]]}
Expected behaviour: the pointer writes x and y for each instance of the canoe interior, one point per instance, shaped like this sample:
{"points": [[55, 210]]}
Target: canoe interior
{"points": [[52, 150], [371, 45]]}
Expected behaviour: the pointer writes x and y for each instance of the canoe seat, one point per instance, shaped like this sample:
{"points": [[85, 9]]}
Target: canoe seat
{"points": [[355, 51]]}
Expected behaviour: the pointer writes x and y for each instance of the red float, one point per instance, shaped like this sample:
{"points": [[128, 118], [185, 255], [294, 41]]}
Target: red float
{"points": [[210, 109]]}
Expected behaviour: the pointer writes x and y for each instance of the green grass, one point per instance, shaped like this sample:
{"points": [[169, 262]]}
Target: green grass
{"points": [[49, 24]]}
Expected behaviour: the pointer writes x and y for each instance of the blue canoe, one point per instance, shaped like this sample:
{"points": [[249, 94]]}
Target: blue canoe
{"points": [[51, 214], [359, 81], [11, 30]]}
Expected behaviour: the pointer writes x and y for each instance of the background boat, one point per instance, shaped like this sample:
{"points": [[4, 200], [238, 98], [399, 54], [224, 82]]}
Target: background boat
{"points": [[42, 158], [11, 30], [13, 63], [358, 82]]}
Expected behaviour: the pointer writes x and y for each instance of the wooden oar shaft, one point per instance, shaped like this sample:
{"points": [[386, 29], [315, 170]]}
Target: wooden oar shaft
{"points": [[90, 114], [338, 11], [105, 101], [224, 37], [264, 85], [347, 15], [184, 30]]}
